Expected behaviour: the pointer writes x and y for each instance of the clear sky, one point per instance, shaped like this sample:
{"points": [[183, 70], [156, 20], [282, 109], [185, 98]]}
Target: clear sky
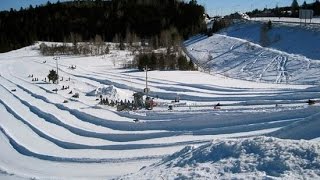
{"points": [[213, 7]]}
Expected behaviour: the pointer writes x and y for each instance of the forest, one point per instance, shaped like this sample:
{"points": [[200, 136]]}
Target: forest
{"points": [[161, 22]]}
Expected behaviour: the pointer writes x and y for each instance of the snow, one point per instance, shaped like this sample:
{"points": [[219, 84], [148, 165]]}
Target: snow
{"points": [[250, 158], [112, 93], [51, 135], [293, 39], [306, 129], [314, 20], [291, 58]]}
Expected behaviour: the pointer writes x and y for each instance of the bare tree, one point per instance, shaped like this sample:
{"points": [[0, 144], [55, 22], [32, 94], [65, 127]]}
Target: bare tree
{"points": [[98, 42]]}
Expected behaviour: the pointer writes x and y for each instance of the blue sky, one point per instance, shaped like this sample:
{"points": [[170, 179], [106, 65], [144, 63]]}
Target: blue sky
{"points": [[213, 7]]}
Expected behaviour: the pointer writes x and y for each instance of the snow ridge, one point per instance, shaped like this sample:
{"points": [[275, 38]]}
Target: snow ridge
{"points": [[258, 157]]}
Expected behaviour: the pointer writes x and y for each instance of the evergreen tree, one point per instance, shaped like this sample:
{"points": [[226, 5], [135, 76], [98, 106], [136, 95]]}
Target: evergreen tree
{"points": [[162, 64], [294, 8], [121, 45], [53, 76], [277, 12], [191, 66], [304, 5], [193, 2], [316, 8], [153, 62], [183, 63], [143, 60]]}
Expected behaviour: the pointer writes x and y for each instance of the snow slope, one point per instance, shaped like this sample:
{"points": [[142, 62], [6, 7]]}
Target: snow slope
{"points": [[290, 38], [301, 130], [51, 135], [292, 57]]}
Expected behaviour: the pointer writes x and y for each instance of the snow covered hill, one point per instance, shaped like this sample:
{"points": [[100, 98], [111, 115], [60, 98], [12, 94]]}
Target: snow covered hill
{"points": [[287, 37], [291, 58], [46, 134]]}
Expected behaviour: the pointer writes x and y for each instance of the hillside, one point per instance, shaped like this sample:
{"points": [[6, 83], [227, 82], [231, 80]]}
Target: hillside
{"points": [[291, 56], [291, 38], [58, 136]]}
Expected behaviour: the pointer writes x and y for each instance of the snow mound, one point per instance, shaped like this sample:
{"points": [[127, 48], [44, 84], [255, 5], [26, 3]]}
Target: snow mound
{"points": [[109, 91], [249, 158], [305, 129]]}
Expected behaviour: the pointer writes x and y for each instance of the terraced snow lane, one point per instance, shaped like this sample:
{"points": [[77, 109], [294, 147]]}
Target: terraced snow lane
{"points": [[59, 138]]}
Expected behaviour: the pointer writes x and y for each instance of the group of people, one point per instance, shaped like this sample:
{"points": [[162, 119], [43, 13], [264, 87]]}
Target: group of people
{"points": [[121, 105], [33, 79], [66, 79], [105, 101], [72, 67], [65, 87]]}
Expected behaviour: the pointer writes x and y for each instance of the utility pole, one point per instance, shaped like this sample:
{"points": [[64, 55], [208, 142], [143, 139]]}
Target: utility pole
{"points": [[146, 90], [57, 64], [147, 76]]}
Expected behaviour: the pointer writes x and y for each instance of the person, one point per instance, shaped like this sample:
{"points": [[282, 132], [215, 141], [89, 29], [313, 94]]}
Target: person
{"points": [[113, 103], [217, 106]]}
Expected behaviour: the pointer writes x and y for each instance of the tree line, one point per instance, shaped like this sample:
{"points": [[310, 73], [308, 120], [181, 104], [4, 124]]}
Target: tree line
{"points": [[163, 61], [91, 48], [289, 11], [161, 22]]}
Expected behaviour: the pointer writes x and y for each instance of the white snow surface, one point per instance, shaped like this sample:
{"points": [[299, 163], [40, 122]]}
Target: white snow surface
{"points": [[250, 158], [112, 93], [314, 20], [49, 135], [291, 57]]}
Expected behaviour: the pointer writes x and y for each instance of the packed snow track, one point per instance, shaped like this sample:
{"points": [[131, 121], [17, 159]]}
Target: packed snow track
{"points": [[49, 134]]}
